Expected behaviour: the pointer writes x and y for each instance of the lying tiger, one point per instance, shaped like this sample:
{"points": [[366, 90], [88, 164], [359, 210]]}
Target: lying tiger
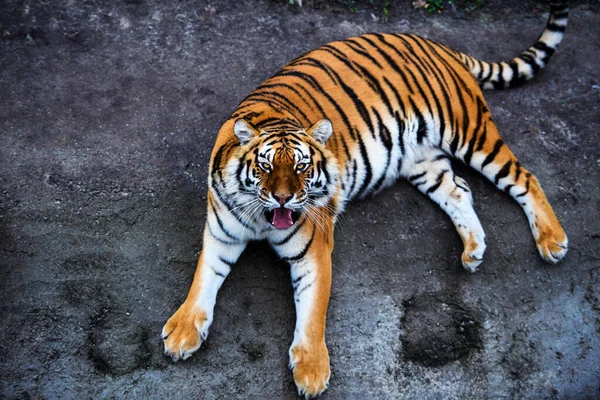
{"points": [[339, 123]]}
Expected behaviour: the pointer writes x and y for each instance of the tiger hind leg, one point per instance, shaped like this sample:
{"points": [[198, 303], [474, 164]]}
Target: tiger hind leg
{"points": [[430, 171], [492, 157]]}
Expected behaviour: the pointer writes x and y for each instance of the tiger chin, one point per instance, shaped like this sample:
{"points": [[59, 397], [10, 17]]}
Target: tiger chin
{"points": [[340, 123]]}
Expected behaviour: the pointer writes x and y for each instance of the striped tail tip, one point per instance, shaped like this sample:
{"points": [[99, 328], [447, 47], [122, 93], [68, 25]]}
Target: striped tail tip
{"points": [[515, 72]]}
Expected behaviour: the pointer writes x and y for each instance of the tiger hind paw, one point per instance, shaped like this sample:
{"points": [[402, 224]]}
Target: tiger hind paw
{"points": [[472, 256]]}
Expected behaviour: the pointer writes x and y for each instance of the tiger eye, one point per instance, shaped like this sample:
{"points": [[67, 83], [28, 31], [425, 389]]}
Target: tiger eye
{"points": [[301, 167]]}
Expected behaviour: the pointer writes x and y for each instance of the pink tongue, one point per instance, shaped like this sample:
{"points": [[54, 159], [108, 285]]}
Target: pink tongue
{"points": [[282, 218]]}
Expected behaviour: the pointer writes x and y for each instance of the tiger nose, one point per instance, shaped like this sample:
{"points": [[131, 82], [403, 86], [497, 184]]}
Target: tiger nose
{"points": [[283, 198]]}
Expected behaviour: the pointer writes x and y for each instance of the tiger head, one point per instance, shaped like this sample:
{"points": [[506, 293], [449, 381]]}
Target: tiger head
{"points": [[283, 173]]}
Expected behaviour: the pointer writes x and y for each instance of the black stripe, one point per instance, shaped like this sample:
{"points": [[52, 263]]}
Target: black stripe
{"points": [[499, 82], [275, 104], [217, 272], [531, 60], [283, 101], [341, 57], [454, 142], [218, 239], [301, 255], [216, 166], [488, 75], [422, 126], [438, 181], [230, 207], [313, 62], [267, 121], [517, 171], [287, 135], [220, 222], [344, 145], [517, 78], [244, 163], [554, 27], [368, 169], [470, 148], [297, 294], [296, 282], [396, 95], [354, 168], [289, 87], [480, 67], [384, 132], [413, 178], [466, 189], [526, 189], [226, 262], [291, 234], [493, 154], [401, 129], [504, 171], [543, 47], [387, 141], [362, 52], [482, 138], [250, 115]]}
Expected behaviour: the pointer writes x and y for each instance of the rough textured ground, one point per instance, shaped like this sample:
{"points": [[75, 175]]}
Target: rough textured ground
{"points": [[108, 113]]}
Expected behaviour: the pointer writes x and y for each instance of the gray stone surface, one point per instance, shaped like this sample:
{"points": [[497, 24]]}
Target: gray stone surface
{"points": [[108, 112]]}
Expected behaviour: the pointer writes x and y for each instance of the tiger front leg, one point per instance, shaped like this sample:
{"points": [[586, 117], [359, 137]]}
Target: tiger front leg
{"points": [[310, 261], [185, 331], [309, 358]]}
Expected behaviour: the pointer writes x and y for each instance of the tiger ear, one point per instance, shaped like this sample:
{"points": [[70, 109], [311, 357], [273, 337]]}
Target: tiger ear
{"points": [[321, 130], [244, 131]]}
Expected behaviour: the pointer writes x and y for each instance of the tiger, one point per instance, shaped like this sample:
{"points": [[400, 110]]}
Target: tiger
{"points": [[340, 123]]}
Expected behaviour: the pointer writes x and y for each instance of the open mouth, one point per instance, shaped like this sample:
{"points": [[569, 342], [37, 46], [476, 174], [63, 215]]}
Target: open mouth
{"points": [[282, 218]]}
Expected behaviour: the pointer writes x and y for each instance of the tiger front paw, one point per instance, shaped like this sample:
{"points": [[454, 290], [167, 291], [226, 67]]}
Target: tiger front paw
{"points": [[184, 332], [310, 365]]}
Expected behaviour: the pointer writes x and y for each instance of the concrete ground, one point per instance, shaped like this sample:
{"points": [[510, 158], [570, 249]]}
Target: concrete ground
{"points": [[108, 112]]}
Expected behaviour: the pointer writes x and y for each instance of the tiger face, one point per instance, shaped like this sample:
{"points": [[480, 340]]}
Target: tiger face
{"points": [[284, 173]]}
